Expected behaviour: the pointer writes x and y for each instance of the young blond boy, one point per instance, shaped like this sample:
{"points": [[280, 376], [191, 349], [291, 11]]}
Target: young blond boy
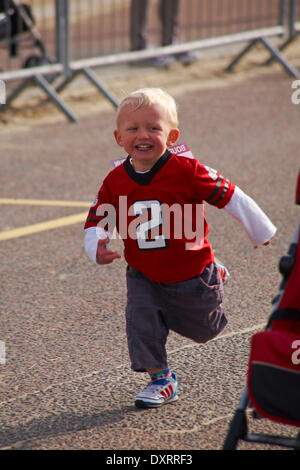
{"points": [[173, 282]]}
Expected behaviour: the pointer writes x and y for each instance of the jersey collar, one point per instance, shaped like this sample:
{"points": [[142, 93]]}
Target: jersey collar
{"points": [[144, 179]]}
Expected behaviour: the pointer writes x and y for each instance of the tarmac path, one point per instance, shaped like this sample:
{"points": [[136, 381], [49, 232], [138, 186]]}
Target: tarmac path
{"points": [[66, 381]]}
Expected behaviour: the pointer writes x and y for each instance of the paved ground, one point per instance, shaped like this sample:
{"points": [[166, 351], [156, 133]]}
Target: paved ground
{"points": [[66, 383]]}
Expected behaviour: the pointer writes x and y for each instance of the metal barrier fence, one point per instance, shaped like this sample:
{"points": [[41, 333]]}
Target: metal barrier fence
{"points": [[106, 29], [61, 38]]}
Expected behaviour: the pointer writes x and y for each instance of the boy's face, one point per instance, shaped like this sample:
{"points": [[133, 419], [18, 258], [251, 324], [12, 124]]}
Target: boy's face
{"points": [[145, 134]]}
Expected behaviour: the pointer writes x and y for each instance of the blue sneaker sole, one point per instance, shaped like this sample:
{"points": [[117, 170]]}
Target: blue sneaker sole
{"points": [[144, 404]]}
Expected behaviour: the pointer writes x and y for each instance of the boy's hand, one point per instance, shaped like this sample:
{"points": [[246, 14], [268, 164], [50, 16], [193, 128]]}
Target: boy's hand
{"points": [[105, 256], [265, 244]]}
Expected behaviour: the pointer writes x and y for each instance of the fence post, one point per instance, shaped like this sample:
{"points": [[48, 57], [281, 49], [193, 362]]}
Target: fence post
{"points": [[63, 34], [292, 19], [58, 31], [282, 12], [290, 16], [62, 52]]}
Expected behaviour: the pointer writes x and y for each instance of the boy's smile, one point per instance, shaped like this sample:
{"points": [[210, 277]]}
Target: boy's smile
{"points": [[145, 133]]}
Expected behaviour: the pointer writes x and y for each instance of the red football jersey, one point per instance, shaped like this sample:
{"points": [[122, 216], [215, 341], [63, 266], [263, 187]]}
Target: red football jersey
{"points": [[160, 215]]}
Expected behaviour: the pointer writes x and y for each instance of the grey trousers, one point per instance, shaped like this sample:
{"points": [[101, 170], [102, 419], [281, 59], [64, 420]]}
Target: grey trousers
{"points": [[191, 308], [168, 14]]}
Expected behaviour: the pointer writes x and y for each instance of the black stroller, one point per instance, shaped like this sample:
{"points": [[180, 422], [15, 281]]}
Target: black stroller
{"points": [[273, 382], [17, 26]]}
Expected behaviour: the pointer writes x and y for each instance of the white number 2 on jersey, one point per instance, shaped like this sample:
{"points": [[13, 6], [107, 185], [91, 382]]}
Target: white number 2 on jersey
{"points": [[143, 229]]}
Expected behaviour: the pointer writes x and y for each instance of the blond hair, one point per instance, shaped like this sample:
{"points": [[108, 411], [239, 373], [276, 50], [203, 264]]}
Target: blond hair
{"points": [[149, 96]]}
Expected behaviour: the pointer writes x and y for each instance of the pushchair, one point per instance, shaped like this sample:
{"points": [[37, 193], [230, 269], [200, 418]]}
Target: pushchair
{"points": [[273, 379], [17, 26]]}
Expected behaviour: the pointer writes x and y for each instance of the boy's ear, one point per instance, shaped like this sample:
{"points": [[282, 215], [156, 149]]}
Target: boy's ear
{"points": [[118, 138], [173, 136]]}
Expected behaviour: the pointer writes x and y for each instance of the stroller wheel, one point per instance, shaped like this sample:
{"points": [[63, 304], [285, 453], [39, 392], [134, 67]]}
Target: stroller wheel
{"points": [[237, 430], [34, 61]]}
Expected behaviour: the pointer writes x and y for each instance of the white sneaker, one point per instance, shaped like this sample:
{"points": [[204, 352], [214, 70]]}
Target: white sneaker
{"points": [[158, 393]]}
